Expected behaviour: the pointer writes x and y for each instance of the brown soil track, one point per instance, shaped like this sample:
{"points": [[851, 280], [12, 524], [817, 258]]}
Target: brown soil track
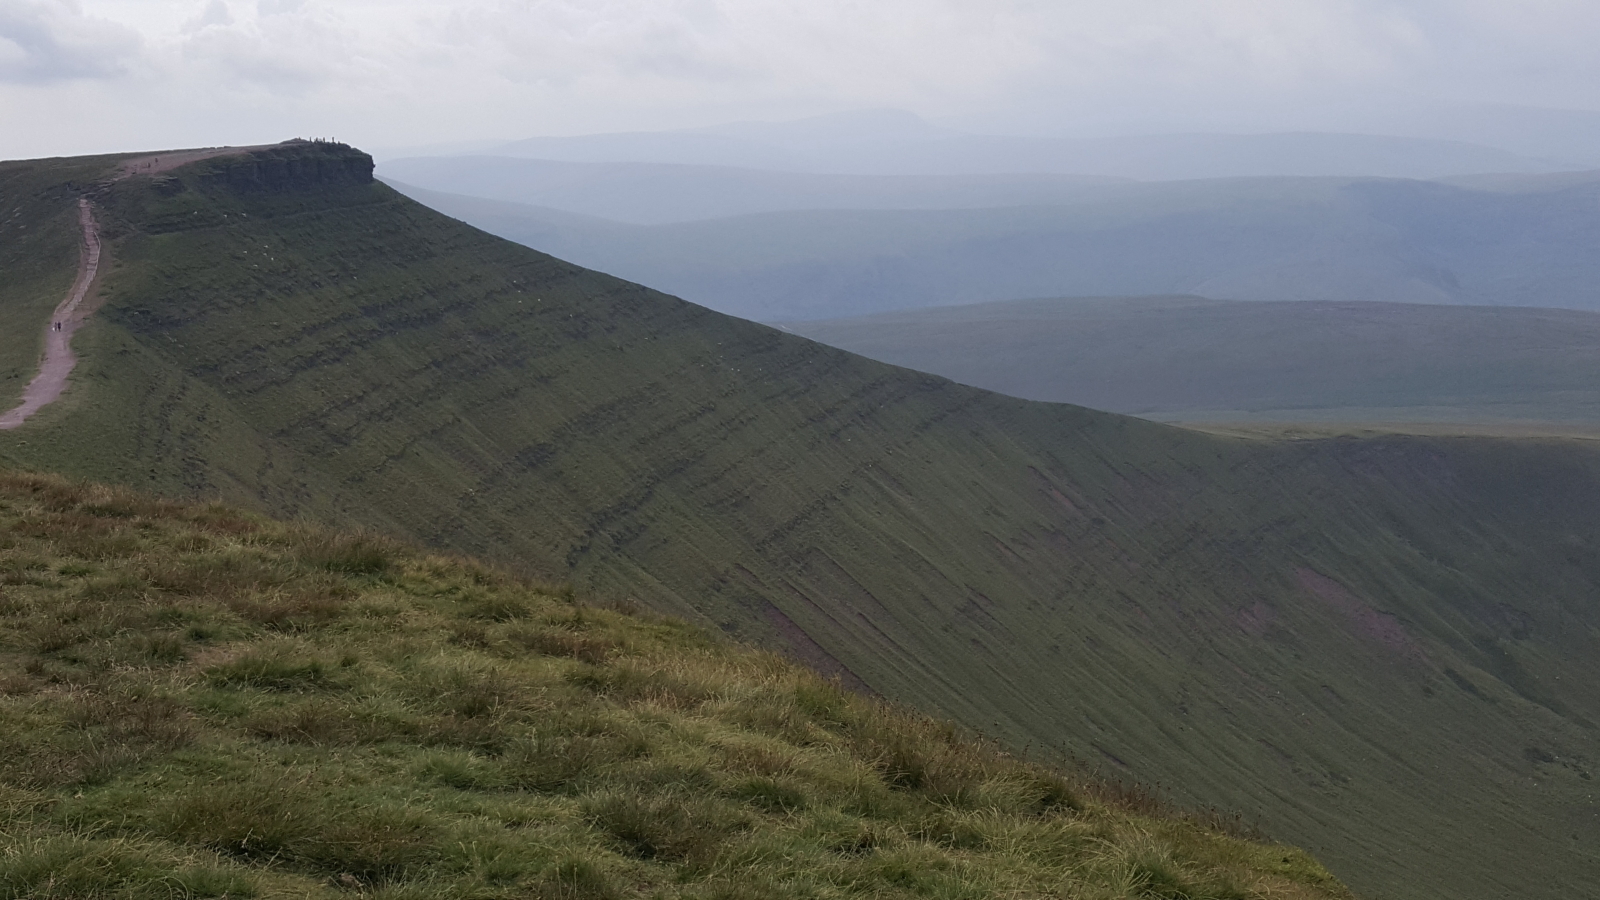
{"points": [[156, 163], [58, 359]]}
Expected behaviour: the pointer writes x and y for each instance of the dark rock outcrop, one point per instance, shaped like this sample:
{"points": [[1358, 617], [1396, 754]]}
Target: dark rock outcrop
{"points": [[291, 166]]}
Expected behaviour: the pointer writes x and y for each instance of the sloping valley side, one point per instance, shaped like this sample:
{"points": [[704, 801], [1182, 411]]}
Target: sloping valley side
{"points": [[200, 703], [1386, 650]]}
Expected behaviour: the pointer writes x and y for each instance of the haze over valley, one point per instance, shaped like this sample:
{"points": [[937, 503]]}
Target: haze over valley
{"points": [[1506, 241], [1189, 359]]}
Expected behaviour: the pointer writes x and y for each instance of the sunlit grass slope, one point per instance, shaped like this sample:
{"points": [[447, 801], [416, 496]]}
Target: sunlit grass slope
{"points": [[200, 703], [1386, 651]]}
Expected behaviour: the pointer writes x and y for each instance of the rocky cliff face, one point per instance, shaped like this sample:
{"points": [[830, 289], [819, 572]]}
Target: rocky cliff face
{"points": [[293, 165]]}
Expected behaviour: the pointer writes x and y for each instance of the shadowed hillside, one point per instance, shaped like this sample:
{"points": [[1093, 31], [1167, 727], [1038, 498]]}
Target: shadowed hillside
{"points": [[1189, 359], [1385, 650]]}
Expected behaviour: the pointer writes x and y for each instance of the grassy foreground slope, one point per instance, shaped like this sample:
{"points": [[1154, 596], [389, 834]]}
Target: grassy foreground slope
{"points": [[1189, 359], [1386, 651], [200, 703]]}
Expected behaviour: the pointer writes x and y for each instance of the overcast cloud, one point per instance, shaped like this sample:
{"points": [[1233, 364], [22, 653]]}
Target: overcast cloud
{"points": [[79, 76]]}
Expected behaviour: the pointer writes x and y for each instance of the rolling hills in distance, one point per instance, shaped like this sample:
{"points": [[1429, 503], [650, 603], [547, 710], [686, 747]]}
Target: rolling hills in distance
{"points": [[1385, 649], [895, 142], [1189, 359], [656, 193], [200, 703], [1507, 240]]}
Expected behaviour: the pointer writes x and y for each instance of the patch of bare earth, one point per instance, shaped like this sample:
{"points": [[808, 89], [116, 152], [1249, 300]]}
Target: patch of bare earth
{"points": [[156, 163], [1366, 620], [59, 360]]}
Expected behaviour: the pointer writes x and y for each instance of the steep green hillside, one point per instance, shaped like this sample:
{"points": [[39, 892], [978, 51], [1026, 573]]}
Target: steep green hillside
{"points": [[1386, 651], [198, 703], [1189, 359]]}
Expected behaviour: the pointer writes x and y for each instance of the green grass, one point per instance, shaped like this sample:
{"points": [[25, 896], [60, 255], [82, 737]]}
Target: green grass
{"points": [[1354, 642], [444, 729]]}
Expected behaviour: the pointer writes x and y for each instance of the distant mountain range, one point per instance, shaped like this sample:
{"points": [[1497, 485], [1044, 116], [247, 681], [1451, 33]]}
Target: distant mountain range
{"points": [[896, 143], [864, 212], [661, 193], [1519, 240]]}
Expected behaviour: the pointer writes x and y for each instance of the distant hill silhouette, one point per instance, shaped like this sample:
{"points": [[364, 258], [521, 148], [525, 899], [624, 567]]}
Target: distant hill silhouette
{"points": [[890, 142], [1194, 360], [1519, 241]]}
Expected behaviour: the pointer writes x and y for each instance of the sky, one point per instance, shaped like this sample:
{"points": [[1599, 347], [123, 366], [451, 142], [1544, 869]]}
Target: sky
{"points": [[84, 76]]}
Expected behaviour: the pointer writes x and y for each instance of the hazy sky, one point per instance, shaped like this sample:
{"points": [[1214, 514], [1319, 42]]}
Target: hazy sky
{"points": [[79, 76]]}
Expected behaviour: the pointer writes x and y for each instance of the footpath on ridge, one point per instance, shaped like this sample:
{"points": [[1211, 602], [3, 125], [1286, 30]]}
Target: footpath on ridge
{"points": [[64, 322], [69, 316]]}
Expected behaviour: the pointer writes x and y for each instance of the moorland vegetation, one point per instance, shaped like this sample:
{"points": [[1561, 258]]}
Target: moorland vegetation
{"points": [[197, 702], [1384, 650]]}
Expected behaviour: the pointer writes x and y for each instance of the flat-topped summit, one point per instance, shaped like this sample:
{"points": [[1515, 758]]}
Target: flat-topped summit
{"points": [[292, 164]]}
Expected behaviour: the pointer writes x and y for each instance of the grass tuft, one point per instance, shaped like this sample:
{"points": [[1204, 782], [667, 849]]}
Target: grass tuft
{"points": [[666, 827], [74, 868], [360, 554], [770, 795], [575, 879], [271, 671]]}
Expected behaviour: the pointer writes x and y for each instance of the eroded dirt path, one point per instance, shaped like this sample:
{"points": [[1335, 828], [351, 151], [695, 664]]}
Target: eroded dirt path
{"points": [[69, 316], [156, 163], [58, 359]]}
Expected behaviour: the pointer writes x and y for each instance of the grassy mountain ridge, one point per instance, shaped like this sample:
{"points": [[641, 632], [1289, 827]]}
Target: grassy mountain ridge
{"points": [[200, 703], [1190, 359], [1335, 636]]}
